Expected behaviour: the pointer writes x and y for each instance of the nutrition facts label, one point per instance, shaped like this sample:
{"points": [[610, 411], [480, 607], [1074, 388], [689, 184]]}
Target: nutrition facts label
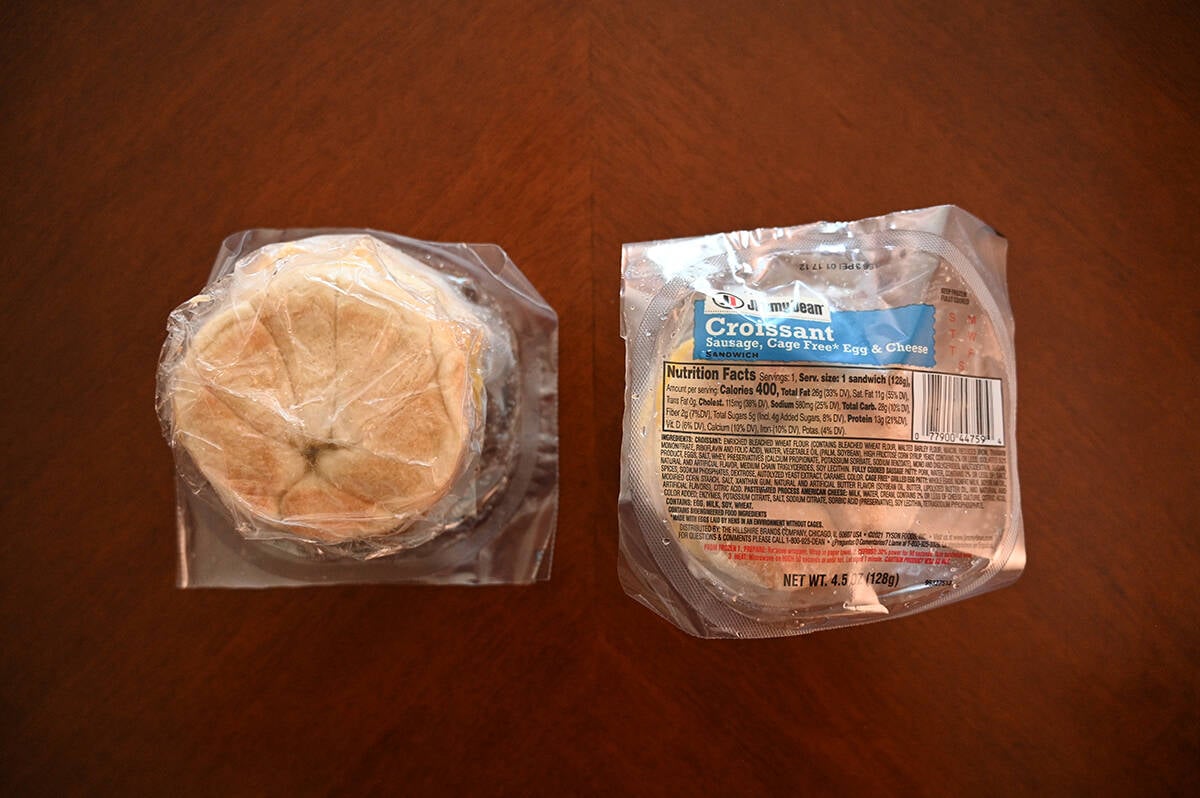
{"points": [[830, 402], [828, 435]]}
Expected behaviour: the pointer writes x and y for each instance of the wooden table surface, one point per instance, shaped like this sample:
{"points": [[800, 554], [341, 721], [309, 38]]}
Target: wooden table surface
{"points": [[135, 136]]}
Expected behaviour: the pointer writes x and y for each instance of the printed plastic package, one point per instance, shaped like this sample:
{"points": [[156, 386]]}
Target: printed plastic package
{"points": [[356, 406], [820, 424]]}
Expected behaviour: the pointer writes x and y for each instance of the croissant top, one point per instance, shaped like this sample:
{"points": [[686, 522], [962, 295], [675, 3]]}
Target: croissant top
{"points": [[328, 394]]}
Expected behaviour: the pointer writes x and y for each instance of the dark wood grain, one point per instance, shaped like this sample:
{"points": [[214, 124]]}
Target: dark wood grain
{"points": [[134, 137]]}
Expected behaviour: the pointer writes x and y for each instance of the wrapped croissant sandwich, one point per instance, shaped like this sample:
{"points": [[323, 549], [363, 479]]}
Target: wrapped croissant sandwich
{"points": [[361, 407], [819, 423]]}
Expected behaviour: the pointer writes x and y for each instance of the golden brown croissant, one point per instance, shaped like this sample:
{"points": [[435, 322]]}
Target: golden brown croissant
{"points": [[328, 395]]}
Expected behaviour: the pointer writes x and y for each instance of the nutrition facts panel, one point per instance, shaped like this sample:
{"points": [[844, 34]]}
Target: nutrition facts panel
{"points": [[829, 435], [804, 401]]}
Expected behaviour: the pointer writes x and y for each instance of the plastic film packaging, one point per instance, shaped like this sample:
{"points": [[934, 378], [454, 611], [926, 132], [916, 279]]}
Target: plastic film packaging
{"points": [[355, 406], [820, 423]]}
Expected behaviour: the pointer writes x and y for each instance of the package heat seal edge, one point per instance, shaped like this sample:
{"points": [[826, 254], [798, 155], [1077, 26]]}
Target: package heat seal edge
{"points": [[820, 424], [350, 405]]}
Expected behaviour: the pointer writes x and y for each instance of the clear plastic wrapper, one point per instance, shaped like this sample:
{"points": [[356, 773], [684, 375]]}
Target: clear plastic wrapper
{"points": [[820, 423], [356, 406]]}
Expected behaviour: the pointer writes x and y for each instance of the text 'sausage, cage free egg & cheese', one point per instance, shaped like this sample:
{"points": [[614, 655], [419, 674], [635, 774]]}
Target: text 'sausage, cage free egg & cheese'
{"points": [[819, 424]]}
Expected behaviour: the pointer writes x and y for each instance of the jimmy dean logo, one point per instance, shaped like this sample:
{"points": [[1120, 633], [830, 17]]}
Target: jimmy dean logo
{"points": [[727, 302]]}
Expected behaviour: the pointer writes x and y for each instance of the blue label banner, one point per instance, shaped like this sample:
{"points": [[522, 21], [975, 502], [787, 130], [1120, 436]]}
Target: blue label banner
{"points": [[890, 337]]}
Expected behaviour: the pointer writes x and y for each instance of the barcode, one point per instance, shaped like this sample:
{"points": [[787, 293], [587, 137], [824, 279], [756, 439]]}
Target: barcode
{"points": [[948, 408]]}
